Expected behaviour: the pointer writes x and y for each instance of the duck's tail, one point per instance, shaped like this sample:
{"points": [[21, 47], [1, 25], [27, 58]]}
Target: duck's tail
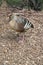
{"points": [[28, 25]]}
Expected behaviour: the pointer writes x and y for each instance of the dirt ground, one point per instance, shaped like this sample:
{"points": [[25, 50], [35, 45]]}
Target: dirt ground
{"points": [[26, 48]]}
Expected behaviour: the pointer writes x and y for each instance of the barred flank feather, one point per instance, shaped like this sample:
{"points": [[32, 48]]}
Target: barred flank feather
{"points": [[28, 25]]}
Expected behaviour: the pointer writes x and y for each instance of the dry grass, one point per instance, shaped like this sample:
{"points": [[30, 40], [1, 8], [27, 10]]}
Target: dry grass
{"points": [[25, 48]]}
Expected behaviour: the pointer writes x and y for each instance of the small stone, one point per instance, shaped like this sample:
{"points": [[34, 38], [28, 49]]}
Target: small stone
{"points": [[6, 62], [7, 19]]}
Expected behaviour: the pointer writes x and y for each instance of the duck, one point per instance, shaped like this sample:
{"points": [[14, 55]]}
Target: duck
{"points": [[19, 23]]}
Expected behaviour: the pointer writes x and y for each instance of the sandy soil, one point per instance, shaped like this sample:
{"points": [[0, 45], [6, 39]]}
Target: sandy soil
{"points": [[25, 48]]}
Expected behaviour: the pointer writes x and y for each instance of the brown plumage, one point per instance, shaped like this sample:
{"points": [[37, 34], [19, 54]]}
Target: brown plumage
{"points": [[19, 23]]}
